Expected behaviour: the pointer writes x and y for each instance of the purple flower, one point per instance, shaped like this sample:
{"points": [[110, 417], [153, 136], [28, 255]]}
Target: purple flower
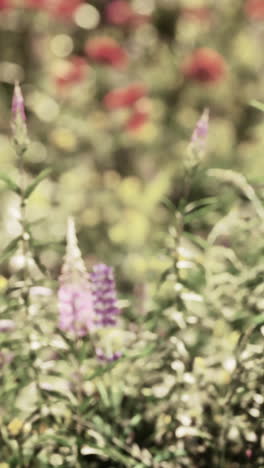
{"points": [[18, 122], [18, 109], [200, 133], [106, 357], [75, 301], [104, 295], [76, 308]]}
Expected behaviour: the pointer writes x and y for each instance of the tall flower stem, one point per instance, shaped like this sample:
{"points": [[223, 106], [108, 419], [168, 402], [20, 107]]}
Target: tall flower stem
{"points": [[21, 142], [24, 233]]}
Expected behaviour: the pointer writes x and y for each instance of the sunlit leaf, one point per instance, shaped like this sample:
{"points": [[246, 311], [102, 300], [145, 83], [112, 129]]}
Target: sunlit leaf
{"points": [[10, 183], [31, 187], [10, 249]]}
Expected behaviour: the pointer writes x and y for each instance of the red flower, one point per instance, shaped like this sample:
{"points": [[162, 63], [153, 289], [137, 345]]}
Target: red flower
{"points": [[65, 8], [73, 73], [137, 120], [36, 3], [255, 9], [249, 453], [204, 65], [120, 12], [124, 97], [197, 13], [4, 4], [106, 50], [62, 8]]}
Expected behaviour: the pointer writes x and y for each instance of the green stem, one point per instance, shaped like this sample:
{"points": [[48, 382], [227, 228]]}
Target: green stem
{"points": [[25, 253]]}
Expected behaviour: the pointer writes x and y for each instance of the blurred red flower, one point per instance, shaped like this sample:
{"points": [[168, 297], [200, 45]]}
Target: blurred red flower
{"points": [[65, 8], [119, 12], [137, 120], [106, 50], [197, 13], [36, 3], [73, 73], [61, 8], [204, 65], [124, 97], [4, 4], [255, 9], [249, 453]]}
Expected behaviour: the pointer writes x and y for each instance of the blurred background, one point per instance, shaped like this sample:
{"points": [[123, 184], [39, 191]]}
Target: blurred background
{"points": [[113, 89]]}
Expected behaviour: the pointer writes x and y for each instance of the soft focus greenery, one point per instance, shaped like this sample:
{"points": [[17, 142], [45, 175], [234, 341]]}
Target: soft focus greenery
{"points": [[186, 245]]}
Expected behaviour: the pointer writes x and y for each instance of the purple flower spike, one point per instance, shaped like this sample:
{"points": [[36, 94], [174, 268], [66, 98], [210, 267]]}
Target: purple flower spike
{"points": [[18, 109], [18, 122], [75, 301], [104, 295], [75, 308], [200, 133]]}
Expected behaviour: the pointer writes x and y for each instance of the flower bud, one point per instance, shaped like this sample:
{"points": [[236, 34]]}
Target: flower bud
{"points": [[197, 146], [18, 122], [18, 109]]}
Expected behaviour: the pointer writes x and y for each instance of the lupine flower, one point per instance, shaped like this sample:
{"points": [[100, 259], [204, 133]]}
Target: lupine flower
{"points": [[18, 109], [18, 122], [124, 97], [197, 146], [106, 50], [137, 120], [74, 296], [205, 66], [104, 295], [74, 72], [200, 133], [255, 9]]}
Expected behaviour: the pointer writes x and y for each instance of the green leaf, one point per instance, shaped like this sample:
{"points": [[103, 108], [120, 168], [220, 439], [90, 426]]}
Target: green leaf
{"points": [[258, 105], [103, 393], [163, 276], [31, 187], [10, 249], [149, 349], [199, 213], [61, 440], [259, 320], [196, 205], [197, 240], [169, 205], [102, 370], [10, 183]]}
